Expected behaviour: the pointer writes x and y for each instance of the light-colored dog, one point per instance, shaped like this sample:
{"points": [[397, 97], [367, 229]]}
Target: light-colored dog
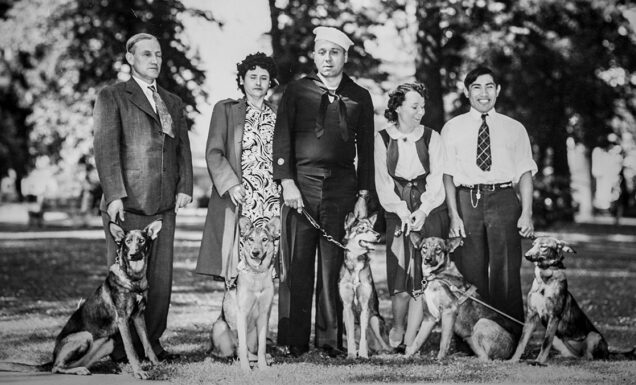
{"points": [[243, 324], [356, 286]]}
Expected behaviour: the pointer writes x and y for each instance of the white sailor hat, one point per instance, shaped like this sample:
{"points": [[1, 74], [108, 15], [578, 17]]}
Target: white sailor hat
{"points": [[333, 35]]}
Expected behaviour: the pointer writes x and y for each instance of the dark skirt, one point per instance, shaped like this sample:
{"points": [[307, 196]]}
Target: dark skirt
{"points": [[399, 279]]}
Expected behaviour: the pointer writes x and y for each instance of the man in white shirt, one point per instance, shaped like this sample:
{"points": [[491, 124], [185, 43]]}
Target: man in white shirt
{"points": [[487, 153]]}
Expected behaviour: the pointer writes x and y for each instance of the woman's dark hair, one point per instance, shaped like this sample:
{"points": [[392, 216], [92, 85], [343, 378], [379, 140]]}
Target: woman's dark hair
{"points": [[397, 96], [477, 72], [252, 61]]}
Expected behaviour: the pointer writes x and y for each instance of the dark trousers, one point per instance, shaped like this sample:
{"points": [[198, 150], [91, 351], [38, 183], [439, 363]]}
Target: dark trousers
{"points": [[159, 275], [327, 199], [491, 256]]}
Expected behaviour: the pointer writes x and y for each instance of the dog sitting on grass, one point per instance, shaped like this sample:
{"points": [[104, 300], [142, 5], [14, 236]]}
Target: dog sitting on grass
{"points": [[87, 336], [568, 329], [446, 294], [243, 324]]}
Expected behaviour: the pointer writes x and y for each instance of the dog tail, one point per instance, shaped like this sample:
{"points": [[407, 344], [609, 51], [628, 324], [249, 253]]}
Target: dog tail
{"points": [[7, 366], [623, 354]]}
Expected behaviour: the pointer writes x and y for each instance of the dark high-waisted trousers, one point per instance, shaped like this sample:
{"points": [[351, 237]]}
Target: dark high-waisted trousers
{"points": [[491, 255], [328, 197]]}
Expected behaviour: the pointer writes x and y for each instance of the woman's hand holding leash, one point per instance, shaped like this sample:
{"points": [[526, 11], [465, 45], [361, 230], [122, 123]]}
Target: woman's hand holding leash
{"points": [[237, 194], [417, 219]]}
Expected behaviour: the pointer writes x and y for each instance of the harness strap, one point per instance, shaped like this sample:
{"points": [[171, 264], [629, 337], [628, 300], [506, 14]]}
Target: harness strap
{"points": [[466, 294]]}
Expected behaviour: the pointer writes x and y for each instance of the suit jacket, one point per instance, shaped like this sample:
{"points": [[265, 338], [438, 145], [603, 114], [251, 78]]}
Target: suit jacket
{"points": [[223, 157], [135, 161]]}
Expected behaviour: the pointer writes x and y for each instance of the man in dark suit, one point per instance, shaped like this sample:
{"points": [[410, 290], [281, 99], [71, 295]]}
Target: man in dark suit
{"points": [[142, 154], [324, 120]]}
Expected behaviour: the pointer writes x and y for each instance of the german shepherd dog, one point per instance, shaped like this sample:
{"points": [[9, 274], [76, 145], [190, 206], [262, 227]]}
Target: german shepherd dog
{"points": [[356, 286], [243, 323], [568, 329], [87, 336], [446, 294]]}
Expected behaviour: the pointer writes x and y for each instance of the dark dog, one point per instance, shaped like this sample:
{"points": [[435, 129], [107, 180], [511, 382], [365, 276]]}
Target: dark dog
{"points": [[87, 336], [445, 292], [244, 318], [356, 286], [568, 329]]}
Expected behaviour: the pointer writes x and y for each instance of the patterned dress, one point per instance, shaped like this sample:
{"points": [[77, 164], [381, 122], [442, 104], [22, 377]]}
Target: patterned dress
{"points": [[262, 194]]}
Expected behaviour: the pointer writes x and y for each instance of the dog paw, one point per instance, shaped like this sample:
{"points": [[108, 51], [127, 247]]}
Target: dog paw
{"points": [[352, 356], [536, 363], [141, 374], [82, 371]]}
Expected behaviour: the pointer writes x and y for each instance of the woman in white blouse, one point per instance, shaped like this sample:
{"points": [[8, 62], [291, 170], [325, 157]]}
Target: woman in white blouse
{"points": [[408, 175]]}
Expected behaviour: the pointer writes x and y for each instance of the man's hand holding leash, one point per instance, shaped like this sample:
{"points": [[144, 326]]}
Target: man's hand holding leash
{"points": [[114, 209], [181, 201], [291, 195], [525, 226]]}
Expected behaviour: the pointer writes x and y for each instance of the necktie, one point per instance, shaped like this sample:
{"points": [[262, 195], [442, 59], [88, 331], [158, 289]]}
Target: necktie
{"points": [[484, 160], [164, 115]]}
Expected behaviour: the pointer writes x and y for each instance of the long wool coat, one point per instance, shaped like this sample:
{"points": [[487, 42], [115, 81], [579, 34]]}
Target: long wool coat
{"points": [[218, 255]]}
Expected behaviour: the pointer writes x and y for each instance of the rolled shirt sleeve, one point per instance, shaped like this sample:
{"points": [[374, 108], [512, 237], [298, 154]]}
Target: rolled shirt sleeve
{"points": [[435, 193], [384, 184], [523, 154]]}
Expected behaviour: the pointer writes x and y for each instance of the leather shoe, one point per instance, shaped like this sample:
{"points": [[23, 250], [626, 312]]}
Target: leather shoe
{"points": [[333, 352], [168, 357], [297, 351]]}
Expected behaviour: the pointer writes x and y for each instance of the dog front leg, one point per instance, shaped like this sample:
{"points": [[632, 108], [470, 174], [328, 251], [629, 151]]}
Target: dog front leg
{"points": [[261, 324], [526, 334], [241, 327], [124, 330], [448, 321], [550, 331], [140, 325], [350, 327], [428, 323], [363, 349]]}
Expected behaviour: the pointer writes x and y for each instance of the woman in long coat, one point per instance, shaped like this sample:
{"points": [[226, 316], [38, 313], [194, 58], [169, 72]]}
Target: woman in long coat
{"points": [[239, 160]]}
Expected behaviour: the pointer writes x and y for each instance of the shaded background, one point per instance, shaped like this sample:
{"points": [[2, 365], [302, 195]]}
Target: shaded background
{"points": [[567, 70]]}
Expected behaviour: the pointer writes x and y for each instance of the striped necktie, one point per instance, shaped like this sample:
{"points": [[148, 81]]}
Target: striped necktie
{"points": [[162, 110], [484, 159]]}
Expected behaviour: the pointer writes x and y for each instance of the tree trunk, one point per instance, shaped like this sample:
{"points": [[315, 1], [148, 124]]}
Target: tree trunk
{"points": [[428, 66]]}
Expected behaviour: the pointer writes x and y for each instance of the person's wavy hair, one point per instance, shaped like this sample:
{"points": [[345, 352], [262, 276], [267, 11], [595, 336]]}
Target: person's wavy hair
{"points": [[251, 61], [397, 96]]}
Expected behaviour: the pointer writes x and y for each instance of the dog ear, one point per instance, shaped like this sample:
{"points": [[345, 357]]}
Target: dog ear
{"points": [[273, 226], [373, 218], [349, 219], [153, 229], [245, 225], [453, 243], [565, 247], [117, 232], [416, 239]]}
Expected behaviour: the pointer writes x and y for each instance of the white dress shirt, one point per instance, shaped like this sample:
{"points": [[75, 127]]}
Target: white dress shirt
{"points": [[409, 167], [144, 87], [509, 147]]}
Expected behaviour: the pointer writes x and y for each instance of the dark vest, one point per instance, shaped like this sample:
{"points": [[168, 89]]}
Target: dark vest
{"points": [[408, 190]]}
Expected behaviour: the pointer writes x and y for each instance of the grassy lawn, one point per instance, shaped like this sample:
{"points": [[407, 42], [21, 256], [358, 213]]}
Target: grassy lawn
{"points": [[42, 281]]}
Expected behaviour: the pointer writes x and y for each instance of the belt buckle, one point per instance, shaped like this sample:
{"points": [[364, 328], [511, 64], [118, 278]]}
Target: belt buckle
{"points": [[489, 187]]}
